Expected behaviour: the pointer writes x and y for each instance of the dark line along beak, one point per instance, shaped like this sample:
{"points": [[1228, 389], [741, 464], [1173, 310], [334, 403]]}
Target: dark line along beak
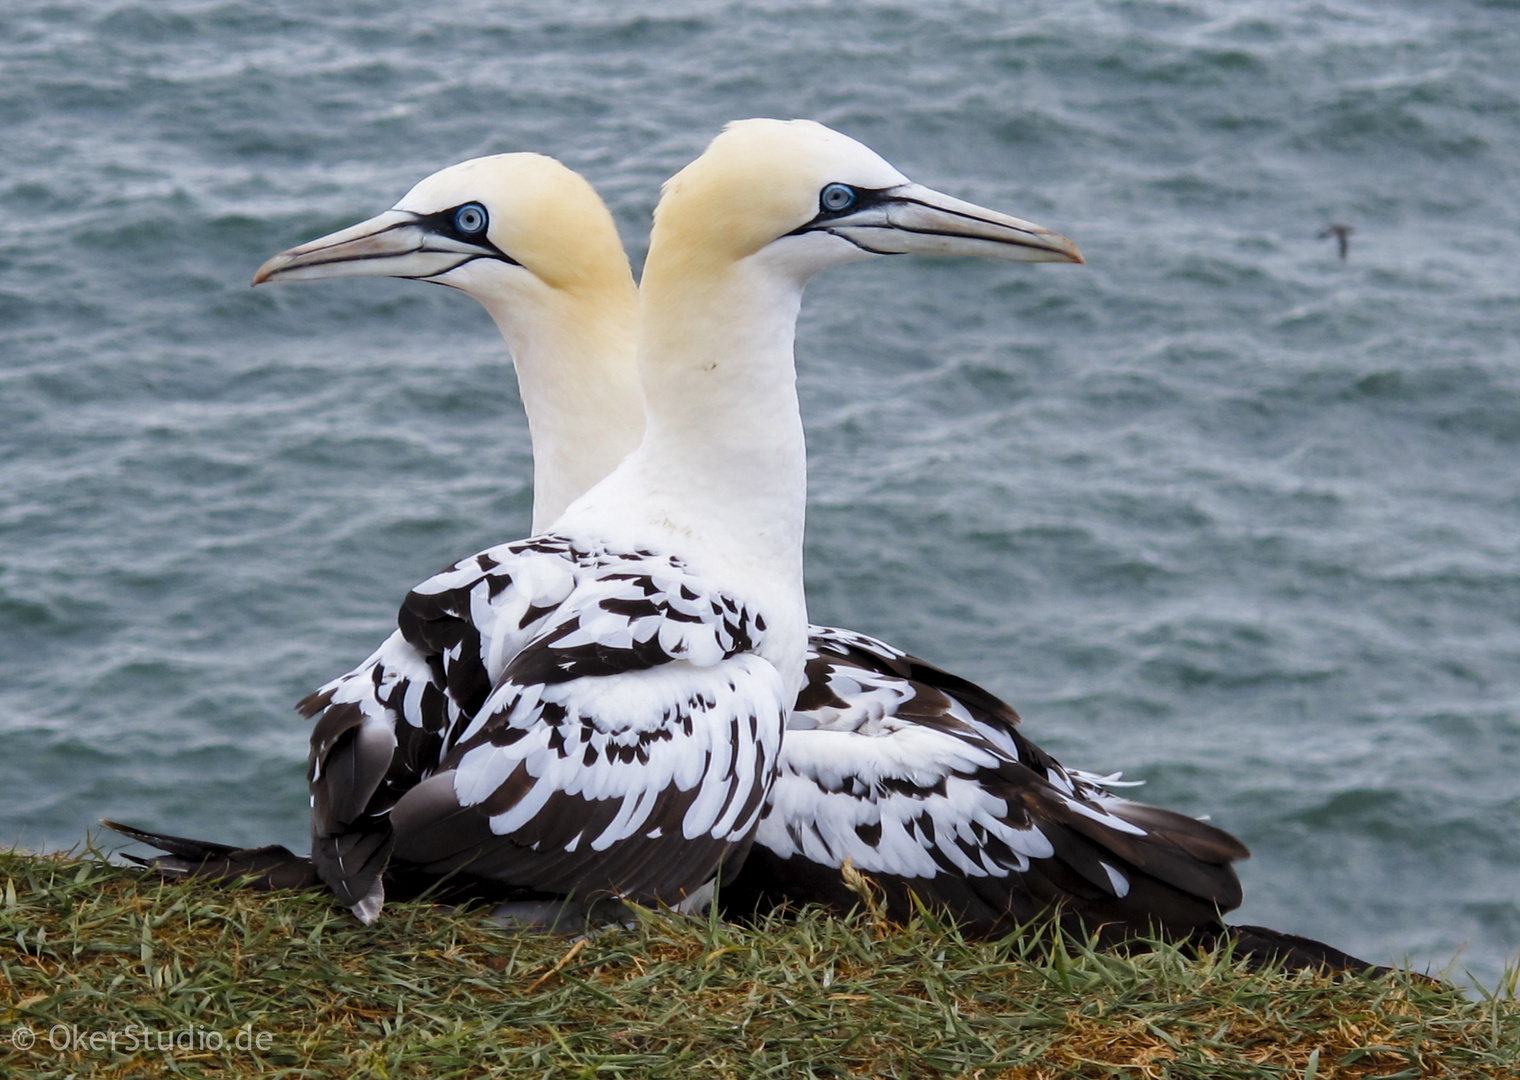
{"points": [[913, 219], [397, 243]]}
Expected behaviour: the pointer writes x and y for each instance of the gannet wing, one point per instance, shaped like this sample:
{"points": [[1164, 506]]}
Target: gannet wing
{"points": [[381, 730], [616, 730], [384, 726], [922, 781]]}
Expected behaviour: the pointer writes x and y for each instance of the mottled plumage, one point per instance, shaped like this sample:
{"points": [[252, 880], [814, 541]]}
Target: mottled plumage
{"points": [[923, 782], [565, 717]]}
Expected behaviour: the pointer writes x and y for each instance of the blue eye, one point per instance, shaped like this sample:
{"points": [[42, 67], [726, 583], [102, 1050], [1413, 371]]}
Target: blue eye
{"points": [[470, 219], [836, 197]]}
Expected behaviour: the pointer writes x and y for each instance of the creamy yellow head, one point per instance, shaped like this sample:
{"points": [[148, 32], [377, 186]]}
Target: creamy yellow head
{"points": [[758, 181], [810, 197], [477, 226], [532, 241], [541, 214]]}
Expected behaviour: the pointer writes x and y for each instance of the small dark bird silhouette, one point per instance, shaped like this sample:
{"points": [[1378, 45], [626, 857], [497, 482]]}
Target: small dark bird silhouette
{"points": [[1342, 233]]}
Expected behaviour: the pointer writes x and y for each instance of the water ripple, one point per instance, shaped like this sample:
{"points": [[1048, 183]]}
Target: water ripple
{"points": [[1218, 508]]}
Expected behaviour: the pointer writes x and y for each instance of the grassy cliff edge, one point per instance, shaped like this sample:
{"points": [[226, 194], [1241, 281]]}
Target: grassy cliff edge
{"points": [[107, 971]]}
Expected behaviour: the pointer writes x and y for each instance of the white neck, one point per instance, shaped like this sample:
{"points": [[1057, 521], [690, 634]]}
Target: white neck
{"points": [[578, 378], [721, 404], [721, 476]]}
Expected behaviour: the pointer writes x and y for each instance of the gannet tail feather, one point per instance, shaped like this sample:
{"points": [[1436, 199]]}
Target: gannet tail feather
{"points": [[276, 867], [1260, 946], [269, 867]]}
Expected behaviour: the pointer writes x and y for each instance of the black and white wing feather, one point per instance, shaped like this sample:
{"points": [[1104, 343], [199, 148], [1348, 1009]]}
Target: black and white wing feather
{"points": [[381, 729], [922, 780], [561, 717]]}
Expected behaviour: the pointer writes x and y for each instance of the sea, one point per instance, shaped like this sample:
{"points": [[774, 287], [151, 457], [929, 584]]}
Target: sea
{"points": [[1220, 510]]}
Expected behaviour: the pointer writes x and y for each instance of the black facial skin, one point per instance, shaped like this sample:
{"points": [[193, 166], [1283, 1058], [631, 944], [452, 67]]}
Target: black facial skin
{"points": [[446, 223], [860, 199]]}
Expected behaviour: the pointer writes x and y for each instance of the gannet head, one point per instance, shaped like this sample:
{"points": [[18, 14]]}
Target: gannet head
{"points": [[802, 196], [532, 241], [488, 226]]}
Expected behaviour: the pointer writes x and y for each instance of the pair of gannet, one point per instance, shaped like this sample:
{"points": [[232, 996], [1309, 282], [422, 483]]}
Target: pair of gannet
{"points": [[632, 697]]}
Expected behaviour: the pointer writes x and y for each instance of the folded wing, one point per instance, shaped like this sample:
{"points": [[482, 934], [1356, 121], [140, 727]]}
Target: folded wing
{"points": [[923, 782], [561, 717]]}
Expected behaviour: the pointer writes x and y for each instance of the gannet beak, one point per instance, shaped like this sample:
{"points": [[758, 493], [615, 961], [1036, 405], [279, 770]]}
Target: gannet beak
{"points": [[913, 219], [397, 243]]}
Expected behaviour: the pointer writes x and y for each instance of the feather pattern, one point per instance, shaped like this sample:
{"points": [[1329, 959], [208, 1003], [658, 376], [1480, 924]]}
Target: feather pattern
{"points": [[922, 781], [558, 715]]}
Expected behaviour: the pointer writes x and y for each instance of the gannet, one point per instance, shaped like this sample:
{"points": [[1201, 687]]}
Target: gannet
{"points": [[917, 777]]}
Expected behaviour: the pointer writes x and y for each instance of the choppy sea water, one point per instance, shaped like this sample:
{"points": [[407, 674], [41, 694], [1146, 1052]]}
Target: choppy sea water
{"points": [[1218, 509]]}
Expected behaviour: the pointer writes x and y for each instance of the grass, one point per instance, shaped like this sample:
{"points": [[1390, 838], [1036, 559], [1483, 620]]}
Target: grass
{"points": [[288, 985]]}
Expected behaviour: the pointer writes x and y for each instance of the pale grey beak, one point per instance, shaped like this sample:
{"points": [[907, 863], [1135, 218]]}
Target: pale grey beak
{"points": [[397, 243], [913, 219]]}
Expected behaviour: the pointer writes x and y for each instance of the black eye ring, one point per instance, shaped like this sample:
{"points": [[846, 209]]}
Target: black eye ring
{"points": [[836, 197], [470, 219]]}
